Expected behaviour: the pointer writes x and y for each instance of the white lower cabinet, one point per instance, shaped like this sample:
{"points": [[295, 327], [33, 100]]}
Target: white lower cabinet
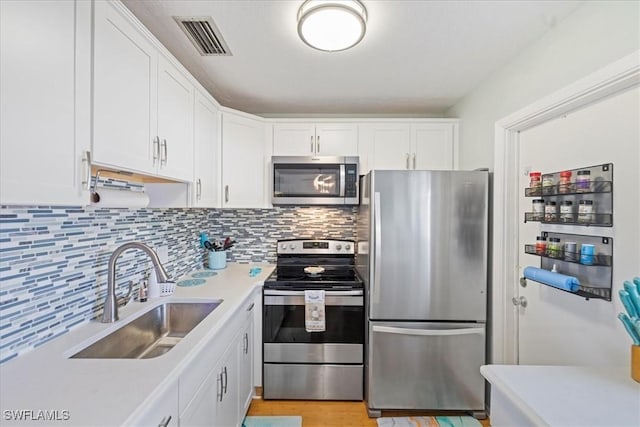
{"points": [[162, 412], [223, 398]]}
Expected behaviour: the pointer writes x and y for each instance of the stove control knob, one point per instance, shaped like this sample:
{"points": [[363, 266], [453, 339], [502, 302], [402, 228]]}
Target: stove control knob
{"points": [[292, 246], [283, 246], [348, 247], [338, 246]]}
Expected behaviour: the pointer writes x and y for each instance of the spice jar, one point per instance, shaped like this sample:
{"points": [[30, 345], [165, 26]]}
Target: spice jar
{"points": [[585, 212], [564, 186], [548, 184], [583, 181], [550, 212], [566, 211], [535, 183], [538, 210], [554, 250], [541, 245]]}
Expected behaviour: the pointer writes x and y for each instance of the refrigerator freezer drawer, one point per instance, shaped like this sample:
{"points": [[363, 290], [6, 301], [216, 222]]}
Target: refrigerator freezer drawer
{"points": [[312, 382], [424, 365]]}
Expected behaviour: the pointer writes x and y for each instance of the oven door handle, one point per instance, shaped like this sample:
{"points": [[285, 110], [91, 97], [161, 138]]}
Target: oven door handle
{"points": [[357, 292], [336, 298]]}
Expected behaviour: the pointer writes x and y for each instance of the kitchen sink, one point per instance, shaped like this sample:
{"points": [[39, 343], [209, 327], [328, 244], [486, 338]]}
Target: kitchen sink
{"points": [[151, 335]]}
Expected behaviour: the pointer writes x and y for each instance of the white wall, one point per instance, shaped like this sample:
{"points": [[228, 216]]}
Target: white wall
{"points": [[596, 34]]}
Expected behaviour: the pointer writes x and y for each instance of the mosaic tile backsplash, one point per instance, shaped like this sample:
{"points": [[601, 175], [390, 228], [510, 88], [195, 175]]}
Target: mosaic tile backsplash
{"points": [[53, 260]]}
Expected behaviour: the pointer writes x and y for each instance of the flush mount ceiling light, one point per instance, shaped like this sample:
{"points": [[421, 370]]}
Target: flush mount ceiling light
{"points": [[332, 25]]}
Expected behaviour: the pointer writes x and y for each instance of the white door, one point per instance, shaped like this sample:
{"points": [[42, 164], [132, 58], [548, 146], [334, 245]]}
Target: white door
{"points": [[124, 84], [175, 122], [243, 162], [336, 139], [42, 73], [557, 327], [389, 145], [432, 146], [294, 139], [206, 156]]}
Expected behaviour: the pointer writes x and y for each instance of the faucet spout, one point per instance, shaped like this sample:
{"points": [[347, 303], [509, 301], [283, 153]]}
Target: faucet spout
{"points": [[110, 313]]}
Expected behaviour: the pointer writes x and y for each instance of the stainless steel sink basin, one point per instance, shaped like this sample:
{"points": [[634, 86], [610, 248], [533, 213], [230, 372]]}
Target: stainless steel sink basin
{"points": [[152, 334]]}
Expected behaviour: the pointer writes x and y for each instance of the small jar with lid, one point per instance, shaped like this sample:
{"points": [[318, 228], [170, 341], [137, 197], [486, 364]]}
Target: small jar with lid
{"points": [[541, 245], [585, 212], [566, 211], [564, 186], [550, 212], [583, 181], [535, 183], [554, 250], [538, 210], [548, 185]]}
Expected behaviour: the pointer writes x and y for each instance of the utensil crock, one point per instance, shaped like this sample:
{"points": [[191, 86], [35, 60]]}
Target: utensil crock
{"points": [[635, 362]]}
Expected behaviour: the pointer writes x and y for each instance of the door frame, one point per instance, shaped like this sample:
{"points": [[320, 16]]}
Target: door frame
{"points": [[616, 77]]}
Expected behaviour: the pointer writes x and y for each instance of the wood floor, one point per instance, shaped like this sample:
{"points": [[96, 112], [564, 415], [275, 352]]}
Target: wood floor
{"points": [[323, 413]]}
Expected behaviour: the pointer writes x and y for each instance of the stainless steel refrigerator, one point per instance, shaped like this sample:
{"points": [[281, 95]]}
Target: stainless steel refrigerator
{"points": [[422, 252]]}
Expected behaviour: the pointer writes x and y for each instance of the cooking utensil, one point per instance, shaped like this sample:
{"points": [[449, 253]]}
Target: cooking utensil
{"points": [[626, 302], [630, 327], [207, 244], [633, 295]]}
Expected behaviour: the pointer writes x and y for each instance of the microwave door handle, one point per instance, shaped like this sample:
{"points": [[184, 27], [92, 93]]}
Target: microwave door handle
{"points": [[342, 178]]}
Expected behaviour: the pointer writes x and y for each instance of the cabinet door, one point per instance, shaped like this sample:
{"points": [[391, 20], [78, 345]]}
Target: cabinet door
{"points": [[336, 139], [175, 122], [124, 84], [226, 411], [243, 162], [389, 145], [245, 366], [201, 411], [163, 411], [42, 73], [295, 139], [433, 146], [206, 153]]}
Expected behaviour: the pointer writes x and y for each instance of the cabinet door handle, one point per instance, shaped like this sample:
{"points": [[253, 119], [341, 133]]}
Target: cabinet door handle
{"points": [[219, 391], [414, 160], [224, 387], [246, 338], [226, 194], [318, 144], [250, 307], [156, 149], [163, 159], [199, 189], [87, 180], [165, 421], [407, 160], [312, 143]]}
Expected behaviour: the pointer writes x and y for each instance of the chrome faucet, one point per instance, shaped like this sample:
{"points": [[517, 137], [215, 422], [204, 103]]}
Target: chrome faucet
{"points": [[111, 303]]}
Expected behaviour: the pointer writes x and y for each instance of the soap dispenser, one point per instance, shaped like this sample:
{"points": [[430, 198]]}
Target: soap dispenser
{"points": [[154, 286]]}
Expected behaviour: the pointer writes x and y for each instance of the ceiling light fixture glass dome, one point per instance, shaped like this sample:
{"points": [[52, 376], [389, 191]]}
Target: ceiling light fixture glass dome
{"points": [[332, 25]]}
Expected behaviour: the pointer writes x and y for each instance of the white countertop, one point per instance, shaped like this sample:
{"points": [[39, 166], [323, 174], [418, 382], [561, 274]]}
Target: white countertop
{"points": [[566, 396], [108, 391]]}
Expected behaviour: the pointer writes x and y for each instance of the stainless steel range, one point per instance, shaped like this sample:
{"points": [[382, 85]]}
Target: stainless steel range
{"points": [[325, 365]]}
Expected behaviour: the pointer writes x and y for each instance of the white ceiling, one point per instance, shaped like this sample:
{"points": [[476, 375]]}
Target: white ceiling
{"points": [[417, 58]]}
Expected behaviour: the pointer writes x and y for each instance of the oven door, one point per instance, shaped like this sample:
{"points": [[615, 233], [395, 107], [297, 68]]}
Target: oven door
{"points": [[287, 341], [308, 181]]}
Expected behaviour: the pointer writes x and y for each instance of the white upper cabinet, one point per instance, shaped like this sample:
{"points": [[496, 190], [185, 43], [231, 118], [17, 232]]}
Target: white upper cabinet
{"points": [[175, 122], [243, 161], [408, 146], [143, 105], [45, 72], [124, 91], [309, 139], [433, 146], [207, 153]]}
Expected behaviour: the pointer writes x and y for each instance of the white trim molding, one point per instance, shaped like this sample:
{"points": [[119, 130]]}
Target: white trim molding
{"points": [[612, 79]]}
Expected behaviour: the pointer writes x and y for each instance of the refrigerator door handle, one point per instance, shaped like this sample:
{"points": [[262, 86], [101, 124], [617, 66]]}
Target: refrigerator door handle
{"points": [[427, 332], [377, 223]]}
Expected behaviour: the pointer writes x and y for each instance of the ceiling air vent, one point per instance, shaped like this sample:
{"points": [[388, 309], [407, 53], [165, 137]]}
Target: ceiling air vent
{"points": [[204, 34]]}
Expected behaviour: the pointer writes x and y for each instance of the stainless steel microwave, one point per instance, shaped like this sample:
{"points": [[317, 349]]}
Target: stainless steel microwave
{"points": [[314, 180]]}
